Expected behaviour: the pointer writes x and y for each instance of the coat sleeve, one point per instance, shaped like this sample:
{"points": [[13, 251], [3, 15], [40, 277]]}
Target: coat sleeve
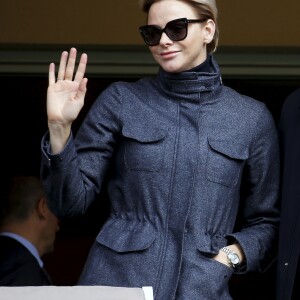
{"points": [[257, 229], [73, 178]]}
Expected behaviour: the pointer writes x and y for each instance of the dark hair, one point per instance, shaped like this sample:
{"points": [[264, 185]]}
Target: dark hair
{"points": [[21, 195]]}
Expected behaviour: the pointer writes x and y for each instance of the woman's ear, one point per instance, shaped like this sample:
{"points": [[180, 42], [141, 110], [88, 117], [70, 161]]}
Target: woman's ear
{"points": [[209, 31]]}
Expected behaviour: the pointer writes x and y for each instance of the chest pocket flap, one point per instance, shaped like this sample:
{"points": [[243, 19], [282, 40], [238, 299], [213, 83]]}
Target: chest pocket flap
{"points": [[225, 161], [144, 148], [144, 134], [229, 148]]}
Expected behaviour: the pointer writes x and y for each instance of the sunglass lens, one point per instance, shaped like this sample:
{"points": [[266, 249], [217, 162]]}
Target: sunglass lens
{"points": [[177, 30], [151, 35]]}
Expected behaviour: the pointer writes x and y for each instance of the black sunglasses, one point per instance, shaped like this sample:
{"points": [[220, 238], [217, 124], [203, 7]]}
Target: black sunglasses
{"points": [[176, 30]]}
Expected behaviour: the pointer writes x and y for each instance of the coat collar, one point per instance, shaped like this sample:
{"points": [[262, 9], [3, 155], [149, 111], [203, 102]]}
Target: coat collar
{"points": [[192, 85]]}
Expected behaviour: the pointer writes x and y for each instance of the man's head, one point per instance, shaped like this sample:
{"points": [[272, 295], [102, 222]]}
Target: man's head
{"points": [[25, 212]]}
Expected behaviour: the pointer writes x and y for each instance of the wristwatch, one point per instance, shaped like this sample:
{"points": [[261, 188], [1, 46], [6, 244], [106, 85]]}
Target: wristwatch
{"points": [[233, 259]]}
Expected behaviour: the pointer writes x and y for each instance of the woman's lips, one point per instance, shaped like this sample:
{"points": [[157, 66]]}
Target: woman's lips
{"points": [[169, 54]]}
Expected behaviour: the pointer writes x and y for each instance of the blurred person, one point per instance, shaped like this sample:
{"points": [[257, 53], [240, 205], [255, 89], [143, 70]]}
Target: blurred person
{"points": [[27, 232], [192, 166], [288, 267]]}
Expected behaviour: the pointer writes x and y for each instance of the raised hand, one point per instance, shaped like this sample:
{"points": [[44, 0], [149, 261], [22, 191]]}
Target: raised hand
{"points": [[65, 96]]}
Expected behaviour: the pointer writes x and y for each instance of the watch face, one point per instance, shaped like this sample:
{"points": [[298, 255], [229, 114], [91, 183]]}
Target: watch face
{"points": [[234, 258]]}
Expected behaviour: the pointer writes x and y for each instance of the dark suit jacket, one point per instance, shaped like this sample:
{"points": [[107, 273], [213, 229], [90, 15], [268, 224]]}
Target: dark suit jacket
{"points": [[18, 267], [289, 238]]}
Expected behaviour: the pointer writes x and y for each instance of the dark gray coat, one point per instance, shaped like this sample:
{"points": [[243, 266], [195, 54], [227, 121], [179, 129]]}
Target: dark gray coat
{"points": [[179, 148]]}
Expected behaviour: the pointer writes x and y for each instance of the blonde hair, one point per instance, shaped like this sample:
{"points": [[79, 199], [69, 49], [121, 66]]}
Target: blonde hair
{"points": [[206, 9]]}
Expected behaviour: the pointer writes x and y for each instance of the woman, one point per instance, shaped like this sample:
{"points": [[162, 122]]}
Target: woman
{"points": [[187, 158]]}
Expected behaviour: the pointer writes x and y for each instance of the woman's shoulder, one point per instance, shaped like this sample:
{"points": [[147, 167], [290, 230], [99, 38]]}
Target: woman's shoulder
{"points": [[243, 101]]}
